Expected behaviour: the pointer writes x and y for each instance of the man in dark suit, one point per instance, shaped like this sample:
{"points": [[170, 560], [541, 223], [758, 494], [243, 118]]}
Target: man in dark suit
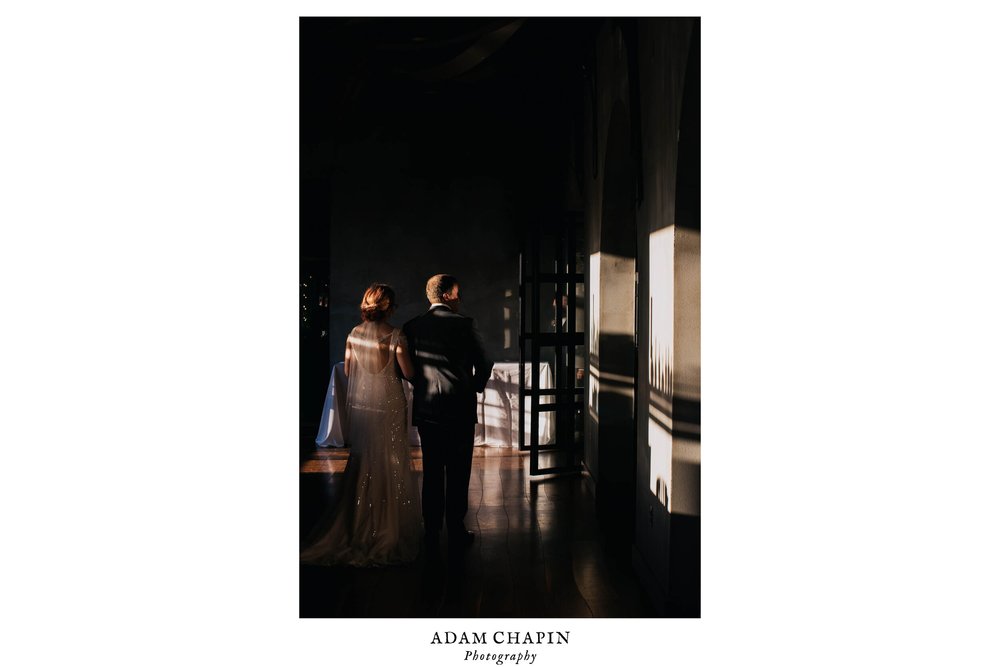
{"points": [[450, 367]]}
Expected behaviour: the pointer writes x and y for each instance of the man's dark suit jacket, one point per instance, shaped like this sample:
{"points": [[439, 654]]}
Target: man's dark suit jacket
{"points": [[450, 367]]}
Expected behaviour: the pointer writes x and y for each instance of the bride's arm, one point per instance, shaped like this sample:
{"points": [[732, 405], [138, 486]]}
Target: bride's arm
{"points": [[403, 357], [347, 358]]}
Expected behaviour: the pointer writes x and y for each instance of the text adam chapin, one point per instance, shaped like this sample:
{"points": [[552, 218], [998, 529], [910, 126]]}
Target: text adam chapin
{"points": [[502, 637]]}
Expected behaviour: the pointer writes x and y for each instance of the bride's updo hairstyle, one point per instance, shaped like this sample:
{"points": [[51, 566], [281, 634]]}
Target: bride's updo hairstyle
{"points": [[378, 300]]}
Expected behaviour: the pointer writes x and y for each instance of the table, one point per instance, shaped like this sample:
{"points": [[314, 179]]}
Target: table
{"points": [[497, 408], [498, 413]]}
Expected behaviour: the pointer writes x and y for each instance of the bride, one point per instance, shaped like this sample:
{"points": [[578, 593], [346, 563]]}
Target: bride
{"points": [[376, 518]]}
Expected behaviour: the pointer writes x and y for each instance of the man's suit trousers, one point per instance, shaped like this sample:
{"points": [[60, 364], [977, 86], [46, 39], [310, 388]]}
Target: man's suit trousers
{"points": [[447, 462]]}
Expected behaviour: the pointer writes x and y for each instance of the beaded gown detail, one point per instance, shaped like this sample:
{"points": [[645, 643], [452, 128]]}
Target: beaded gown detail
{"points": [[376, 519]]}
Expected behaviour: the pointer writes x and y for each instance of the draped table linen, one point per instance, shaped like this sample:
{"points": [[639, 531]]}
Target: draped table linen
{"points": [[497, 408]]}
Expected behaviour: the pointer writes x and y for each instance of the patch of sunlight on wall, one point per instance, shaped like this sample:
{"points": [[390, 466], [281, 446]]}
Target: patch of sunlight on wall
{"points": [[661, 344], [661, 310], [617, 301], [593, 386], [687, 329], [595, 301], [506, 326], [659, 462]]}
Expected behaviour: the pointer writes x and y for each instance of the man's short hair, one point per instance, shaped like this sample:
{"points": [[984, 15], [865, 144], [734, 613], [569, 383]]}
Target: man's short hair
{"points": [[439, 285]]}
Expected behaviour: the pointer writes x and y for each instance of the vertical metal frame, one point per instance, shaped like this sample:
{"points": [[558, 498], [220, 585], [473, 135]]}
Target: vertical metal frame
{"points": [[567, 398]]}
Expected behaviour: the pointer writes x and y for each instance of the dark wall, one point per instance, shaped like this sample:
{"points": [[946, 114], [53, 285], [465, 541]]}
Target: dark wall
{"points": [[640, 68], [668, 537], [405, 208], [433, 164]]}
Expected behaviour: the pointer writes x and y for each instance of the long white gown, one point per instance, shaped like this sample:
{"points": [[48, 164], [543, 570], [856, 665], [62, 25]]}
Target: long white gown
{"points": [[376, 519]]}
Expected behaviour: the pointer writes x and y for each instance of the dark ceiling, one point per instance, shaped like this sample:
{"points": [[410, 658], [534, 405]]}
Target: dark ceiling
{"points": [[359, 73], [498, 97]]}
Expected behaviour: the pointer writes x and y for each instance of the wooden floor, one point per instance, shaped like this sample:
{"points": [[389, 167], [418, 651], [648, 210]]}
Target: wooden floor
{"points": [[538, 553]]}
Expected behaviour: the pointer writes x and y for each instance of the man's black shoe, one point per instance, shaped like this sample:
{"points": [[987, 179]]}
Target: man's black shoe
{"points": [[461, 538]]}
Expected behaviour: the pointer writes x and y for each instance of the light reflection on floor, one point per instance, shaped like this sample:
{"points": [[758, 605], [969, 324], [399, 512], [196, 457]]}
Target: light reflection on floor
{"points": [[538, 553], [334, 460]]}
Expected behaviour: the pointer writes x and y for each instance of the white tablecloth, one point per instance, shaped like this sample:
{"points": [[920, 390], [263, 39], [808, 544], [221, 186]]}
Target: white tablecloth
{"points": [[498, 416]]}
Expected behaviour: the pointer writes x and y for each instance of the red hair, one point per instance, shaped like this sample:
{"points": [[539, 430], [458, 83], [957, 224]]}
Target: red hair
{"points": [[378, 300]]}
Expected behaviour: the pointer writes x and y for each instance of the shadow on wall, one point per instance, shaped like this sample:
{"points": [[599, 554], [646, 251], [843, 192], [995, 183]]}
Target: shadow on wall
{"points": [[678, 535], [675, 450], [613, 377]]}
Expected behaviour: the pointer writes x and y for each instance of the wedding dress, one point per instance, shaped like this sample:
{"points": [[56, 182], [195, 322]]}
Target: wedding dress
{"points": [[376, 519]]}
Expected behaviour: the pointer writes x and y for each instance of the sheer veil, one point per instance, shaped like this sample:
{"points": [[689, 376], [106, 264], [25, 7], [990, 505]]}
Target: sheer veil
{"points": [[377, 518], [367, 391]]}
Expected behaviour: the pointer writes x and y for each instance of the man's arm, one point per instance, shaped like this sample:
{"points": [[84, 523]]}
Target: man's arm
{"points": [[481, 364]]}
